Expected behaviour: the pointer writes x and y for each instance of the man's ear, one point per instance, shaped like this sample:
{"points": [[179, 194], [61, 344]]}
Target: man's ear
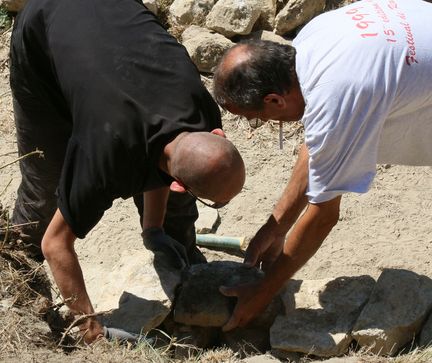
{"points": [[177, 187], [218, 132], [275, 99]]}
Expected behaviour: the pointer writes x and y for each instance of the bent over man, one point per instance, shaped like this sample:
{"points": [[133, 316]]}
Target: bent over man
{"points": [[118, 108], [359, 78]]}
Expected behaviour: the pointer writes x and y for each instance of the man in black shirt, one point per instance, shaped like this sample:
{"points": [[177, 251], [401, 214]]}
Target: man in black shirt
{"points": [[119, 110]]}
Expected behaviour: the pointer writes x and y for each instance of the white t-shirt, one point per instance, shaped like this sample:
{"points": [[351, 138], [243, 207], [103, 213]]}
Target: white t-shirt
{"points": [[365, 71]]}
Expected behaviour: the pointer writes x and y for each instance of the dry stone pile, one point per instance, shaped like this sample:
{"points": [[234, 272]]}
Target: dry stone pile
{"points": [[218, 24], [321, 318]]}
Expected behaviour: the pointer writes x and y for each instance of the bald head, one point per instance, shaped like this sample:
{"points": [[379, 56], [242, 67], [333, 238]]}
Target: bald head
{"points": [[249, 71], [209, 165]]}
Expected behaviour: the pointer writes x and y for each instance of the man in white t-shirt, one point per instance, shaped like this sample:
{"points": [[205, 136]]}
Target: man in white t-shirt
{"points": [[360, 80]]}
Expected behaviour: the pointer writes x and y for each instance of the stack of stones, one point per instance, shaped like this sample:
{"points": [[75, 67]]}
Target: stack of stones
{"points": [[209, 27]]}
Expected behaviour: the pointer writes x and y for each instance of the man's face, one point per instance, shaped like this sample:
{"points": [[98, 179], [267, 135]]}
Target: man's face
{"points": [[287, 107]]}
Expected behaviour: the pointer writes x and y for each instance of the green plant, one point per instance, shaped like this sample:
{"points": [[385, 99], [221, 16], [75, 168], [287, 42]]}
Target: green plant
{"points": [[5, 20]]}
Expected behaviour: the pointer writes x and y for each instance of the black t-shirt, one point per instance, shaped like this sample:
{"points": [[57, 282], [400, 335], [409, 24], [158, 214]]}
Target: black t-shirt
{"points": [[129, 88]]}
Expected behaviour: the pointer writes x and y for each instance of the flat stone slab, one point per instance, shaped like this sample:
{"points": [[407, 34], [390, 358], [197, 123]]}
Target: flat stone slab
{"points": [[199, 301], [320, 315], [399, 304], [140, 291]]}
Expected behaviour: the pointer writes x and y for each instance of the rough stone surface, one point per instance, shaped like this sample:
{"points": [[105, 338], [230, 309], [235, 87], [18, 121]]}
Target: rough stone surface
{"points": [[398, 306], [285, 356], [192, 337], [185, 12], [246, 340], [140, 290], [296, 13], [232, 17], [151, 5], [207, 220], [13, 5], [199, 301], [205, 47], [267, 35], [320, 315], [426, 333], [267, 16]]}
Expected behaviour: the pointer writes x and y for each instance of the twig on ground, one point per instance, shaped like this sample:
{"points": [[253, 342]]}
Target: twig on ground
{"points": [[7, 186], [5, 229], [40, 153], [80, 319]]}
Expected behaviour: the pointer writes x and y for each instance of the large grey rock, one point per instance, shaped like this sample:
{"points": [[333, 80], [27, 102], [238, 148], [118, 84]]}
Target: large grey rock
{"points": [[199, 301], [205, 47], [185, 12], [320, 315], [398, 305], [12, 5], [140, 291], [296, 13], [426, 333], [232, 17]]}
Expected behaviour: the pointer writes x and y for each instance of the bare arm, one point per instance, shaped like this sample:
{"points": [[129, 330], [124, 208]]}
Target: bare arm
{"points": [[155, 207], [302, 243], [58, 249], [268, 241]]}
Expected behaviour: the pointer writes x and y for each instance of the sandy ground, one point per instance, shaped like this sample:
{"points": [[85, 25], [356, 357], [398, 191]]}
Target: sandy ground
{"points": [[390, 226]]}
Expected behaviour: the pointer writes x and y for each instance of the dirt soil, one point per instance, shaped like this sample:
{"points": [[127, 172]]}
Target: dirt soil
{"points": [[389, 227]]}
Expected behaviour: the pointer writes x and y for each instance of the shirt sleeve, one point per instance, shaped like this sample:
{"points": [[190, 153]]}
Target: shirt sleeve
{"points": [[81, 198], [342, 132]]}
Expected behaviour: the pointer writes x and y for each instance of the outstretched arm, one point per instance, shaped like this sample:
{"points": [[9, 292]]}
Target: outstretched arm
{"points": [[267, 244], [58, 249], [302, 243]]}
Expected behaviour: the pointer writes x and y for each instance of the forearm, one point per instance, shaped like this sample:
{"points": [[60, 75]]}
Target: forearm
{"points": [[58, 249], [302, 243], [155, 202], [293, 199]]}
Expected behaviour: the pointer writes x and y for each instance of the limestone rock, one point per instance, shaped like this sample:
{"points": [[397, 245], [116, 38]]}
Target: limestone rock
{"points": [[140, 290], [205, 47], [207, 220], [199, 301], [185, 12], [269, 36], [395, 312], [232, 17], [320, 315], [151, 5], [267, 16], [296, 13], [426, 333], [12, 5]]}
